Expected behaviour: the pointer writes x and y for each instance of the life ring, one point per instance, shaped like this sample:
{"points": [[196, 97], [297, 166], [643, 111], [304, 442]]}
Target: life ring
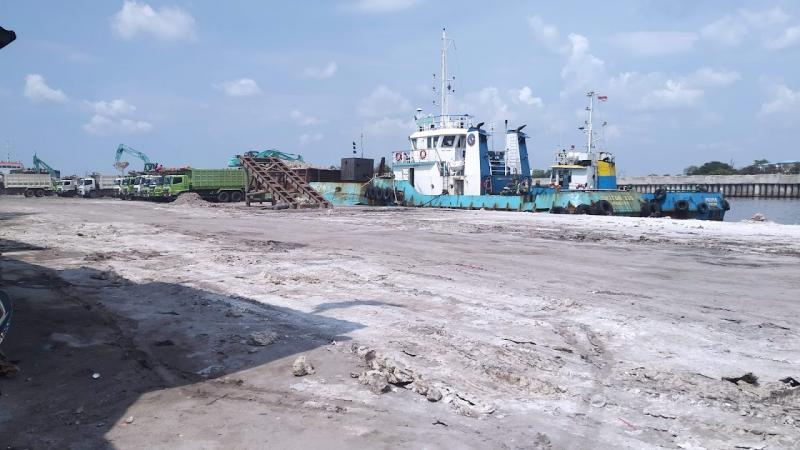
{"points": [[702, 208], [487, 184], [398, 156], [423, 154], [682, 205]]}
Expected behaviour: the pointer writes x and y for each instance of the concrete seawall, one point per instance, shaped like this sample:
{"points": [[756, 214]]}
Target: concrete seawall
{"points": [[767, 186]]}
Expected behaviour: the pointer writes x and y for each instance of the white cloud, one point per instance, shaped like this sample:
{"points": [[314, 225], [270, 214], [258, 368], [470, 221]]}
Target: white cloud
{"points": [[673, 94], [708, 77], [383, 102], [105, 126], [388, 126], [383, 6], [116, 107], [303, 119], [782, 100], [242, 87], [582, 69], [168, 23], [112, 118], [525, 96], [731, 29], [790, 37], [322, 73], [308, 138], [488, 104], [545, 33], [766, 18], [653, 43], [656, 90], [728, 30], [37, 90]]}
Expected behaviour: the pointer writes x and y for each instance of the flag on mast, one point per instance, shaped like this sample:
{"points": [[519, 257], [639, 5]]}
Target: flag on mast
{"points": [[602, 98]]}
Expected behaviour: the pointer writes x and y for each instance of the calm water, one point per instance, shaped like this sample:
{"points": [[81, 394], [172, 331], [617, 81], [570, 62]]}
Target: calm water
{"points": [[778, 210]]}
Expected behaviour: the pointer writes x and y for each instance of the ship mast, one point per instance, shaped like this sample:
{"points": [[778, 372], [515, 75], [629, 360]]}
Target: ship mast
{"points": [[590, 108], [443, 78]]}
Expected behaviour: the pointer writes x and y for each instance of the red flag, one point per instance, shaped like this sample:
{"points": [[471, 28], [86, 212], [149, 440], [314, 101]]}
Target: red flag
{"points": [[602, 98]]}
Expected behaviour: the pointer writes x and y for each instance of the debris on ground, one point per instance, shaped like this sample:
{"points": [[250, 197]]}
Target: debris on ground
{"points": [[7, 369], [748, 378], [192, 199], [301, 367], [262, 338]]}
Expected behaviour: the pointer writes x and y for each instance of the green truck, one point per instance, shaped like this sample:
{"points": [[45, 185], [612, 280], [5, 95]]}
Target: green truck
{"points": [[220, 185]]}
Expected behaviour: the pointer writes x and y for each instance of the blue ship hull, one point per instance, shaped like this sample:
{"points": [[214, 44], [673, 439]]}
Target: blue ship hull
{"points": [[679, 205]]}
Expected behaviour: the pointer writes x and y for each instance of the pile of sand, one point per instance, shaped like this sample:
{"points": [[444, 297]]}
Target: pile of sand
{"points": [[192, 199]]}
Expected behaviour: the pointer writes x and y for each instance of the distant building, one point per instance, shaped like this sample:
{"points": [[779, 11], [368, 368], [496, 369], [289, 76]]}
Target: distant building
{"points": [[779, 167]]}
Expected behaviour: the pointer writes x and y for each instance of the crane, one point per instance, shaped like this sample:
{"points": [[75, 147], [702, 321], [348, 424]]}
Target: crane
{"points": [[121, 165], [40, 165], [270, 153]]}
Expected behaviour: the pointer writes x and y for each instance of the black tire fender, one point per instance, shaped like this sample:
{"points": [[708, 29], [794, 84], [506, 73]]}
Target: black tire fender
{"points": [[603, 208], [645, 210]]}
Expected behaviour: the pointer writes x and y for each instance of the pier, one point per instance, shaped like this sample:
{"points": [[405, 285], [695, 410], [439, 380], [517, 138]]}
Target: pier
{"points": [[763, 186]]}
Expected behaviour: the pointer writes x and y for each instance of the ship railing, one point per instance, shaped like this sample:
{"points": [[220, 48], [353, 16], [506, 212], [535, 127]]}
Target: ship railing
{"points": [[444, 121]]}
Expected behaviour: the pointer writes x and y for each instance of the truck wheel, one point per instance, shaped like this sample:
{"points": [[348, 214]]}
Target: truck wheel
{"points": [[223, 197], [236, 196], [28, 193], [39, 193]]}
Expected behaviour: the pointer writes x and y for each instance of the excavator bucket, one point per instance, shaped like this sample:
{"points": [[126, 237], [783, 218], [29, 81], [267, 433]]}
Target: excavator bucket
{"points": [[121, 165]]}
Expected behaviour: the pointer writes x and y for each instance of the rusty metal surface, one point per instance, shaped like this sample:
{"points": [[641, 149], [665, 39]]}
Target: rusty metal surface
{"points": [[272, 176]]}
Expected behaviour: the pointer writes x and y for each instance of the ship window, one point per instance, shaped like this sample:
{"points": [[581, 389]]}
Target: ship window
{"points": [[430, 142], [460, 141], [413, 144], [448, 141]]}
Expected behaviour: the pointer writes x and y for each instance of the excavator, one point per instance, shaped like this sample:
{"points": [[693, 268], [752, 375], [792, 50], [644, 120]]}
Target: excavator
{"points": [[269, 153], [121, 165], [40, 166]]}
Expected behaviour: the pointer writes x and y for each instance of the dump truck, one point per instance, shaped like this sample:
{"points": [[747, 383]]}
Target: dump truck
{"points": [[96, 185], [220, 185], [29, 184], [154, 189], [67, 187]]}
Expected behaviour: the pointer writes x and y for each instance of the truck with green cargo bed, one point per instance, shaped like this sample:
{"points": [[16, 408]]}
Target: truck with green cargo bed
{"points": [[220, 185]]}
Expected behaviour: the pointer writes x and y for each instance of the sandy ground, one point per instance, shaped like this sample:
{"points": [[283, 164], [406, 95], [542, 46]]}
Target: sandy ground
{"points": [[136, 327]]}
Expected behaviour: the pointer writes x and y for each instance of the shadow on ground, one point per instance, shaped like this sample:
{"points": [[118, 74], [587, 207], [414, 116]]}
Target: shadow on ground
{"points": [[89, 343]]}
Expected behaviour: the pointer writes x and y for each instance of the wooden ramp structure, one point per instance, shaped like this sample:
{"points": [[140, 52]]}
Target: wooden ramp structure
{"points": [[271, 176]]}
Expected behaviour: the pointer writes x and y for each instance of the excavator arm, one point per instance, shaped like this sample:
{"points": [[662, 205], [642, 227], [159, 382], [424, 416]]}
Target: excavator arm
{"points": [[121, 165]]}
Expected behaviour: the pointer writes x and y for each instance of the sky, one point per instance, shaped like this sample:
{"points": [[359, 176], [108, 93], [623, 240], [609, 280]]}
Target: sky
{"points": [[196, 82]]}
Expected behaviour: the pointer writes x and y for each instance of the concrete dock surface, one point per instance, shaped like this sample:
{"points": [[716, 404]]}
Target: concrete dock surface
{"points": [[143, 325]]}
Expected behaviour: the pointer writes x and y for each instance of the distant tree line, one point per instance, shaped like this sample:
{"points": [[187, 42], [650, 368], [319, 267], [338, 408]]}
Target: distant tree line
{"points": [[759, 166]]}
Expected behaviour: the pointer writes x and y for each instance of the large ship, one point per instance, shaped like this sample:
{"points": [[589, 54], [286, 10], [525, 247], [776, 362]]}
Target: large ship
{"points": [[448, 164]]}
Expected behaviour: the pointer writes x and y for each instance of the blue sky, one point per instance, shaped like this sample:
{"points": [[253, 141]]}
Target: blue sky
{"points": [[194, 82]]}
